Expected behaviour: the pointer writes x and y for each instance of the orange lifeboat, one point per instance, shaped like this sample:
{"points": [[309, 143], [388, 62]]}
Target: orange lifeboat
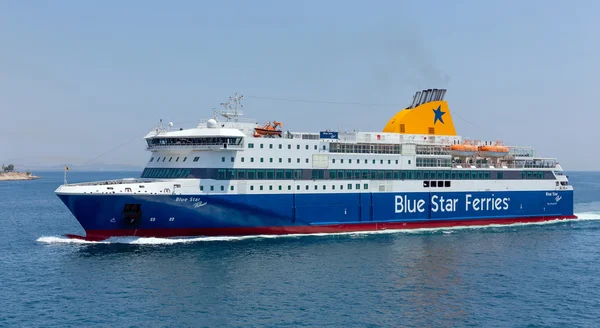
{"points": [[493, 151], [463, 150], [269, 130]]}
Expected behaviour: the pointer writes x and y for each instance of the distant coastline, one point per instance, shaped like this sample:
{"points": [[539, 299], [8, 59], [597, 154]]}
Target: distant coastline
{"points": [[14, 176]]}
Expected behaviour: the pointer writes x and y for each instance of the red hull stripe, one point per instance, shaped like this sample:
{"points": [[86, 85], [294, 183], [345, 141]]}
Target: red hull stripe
{"points": [[97, 235]]}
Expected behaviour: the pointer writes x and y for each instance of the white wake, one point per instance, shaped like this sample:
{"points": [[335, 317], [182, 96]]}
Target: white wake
{"points": [[585, 216]]}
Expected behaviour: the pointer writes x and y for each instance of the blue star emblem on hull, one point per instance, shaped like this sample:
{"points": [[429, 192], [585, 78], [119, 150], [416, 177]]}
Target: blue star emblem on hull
{"points": [[438, 115]]}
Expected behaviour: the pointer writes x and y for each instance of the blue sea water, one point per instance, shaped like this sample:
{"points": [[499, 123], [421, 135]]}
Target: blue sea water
{"points": [[539, 275]]}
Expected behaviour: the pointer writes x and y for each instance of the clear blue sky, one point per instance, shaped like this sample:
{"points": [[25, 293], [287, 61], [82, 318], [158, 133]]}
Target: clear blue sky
{"points": [[80, 77]]}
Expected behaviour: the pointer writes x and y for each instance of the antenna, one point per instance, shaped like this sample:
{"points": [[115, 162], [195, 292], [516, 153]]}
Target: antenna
{"points": [[233, 107]]}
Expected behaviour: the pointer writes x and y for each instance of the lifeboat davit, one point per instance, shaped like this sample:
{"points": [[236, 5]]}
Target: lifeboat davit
{"points": [[463, 150], [493, 151], [269, 130]]}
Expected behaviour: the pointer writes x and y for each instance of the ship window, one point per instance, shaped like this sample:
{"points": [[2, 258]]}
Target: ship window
{"points": [[380, 161], [261, 187], [271, 160], [315, 147], [316, 187], [279, 187], [324, 147], [241, 174], [307, 160], [151, 159], [333, 161], [409, 162], [333, 187], [289, 187], [270, 146], [280, 145], [342, 161], [262, 160], [289, 146], [432, 184], [297, 160], [242, 159], [158, 159], [396, 161], [366, 186], [358, 186], [262, 146], [250, 145], [341, 187], [185, 159], [222, 188], [289, 160], [389, 161], [201, 188], [251, 174], [500, 175], [270, 187], [440, 183], [164, 159], [486, 175], [446, 183], [426, 184], [349, 186], [324, 187], [196, 159], [306, 187], [212, 188], [177, 159], [306, 147], [280, 160], [298, 187], [232, 159], [270, 174], [260, 174], [373, 161], [231, 188], [251, 187], [349, 161], [170, 159], [222, 159], [279, 174], [297, 146]]}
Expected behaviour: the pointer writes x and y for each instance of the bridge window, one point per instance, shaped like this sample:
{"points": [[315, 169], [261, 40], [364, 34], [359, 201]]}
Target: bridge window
{"points": [[196, 159], [151, 159]]}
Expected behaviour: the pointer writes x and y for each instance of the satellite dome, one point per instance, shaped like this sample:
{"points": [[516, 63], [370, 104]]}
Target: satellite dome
{"points": [[212, 124]]}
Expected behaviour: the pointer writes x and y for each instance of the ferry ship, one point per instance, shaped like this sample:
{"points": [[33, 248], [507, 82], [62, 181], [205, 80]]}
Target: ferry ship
{"points": [[233, 176]]}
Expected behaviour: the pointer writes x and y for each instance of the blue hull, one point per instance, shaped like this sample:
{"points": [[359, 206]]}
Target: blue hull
{"points": [[168, 215]]}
